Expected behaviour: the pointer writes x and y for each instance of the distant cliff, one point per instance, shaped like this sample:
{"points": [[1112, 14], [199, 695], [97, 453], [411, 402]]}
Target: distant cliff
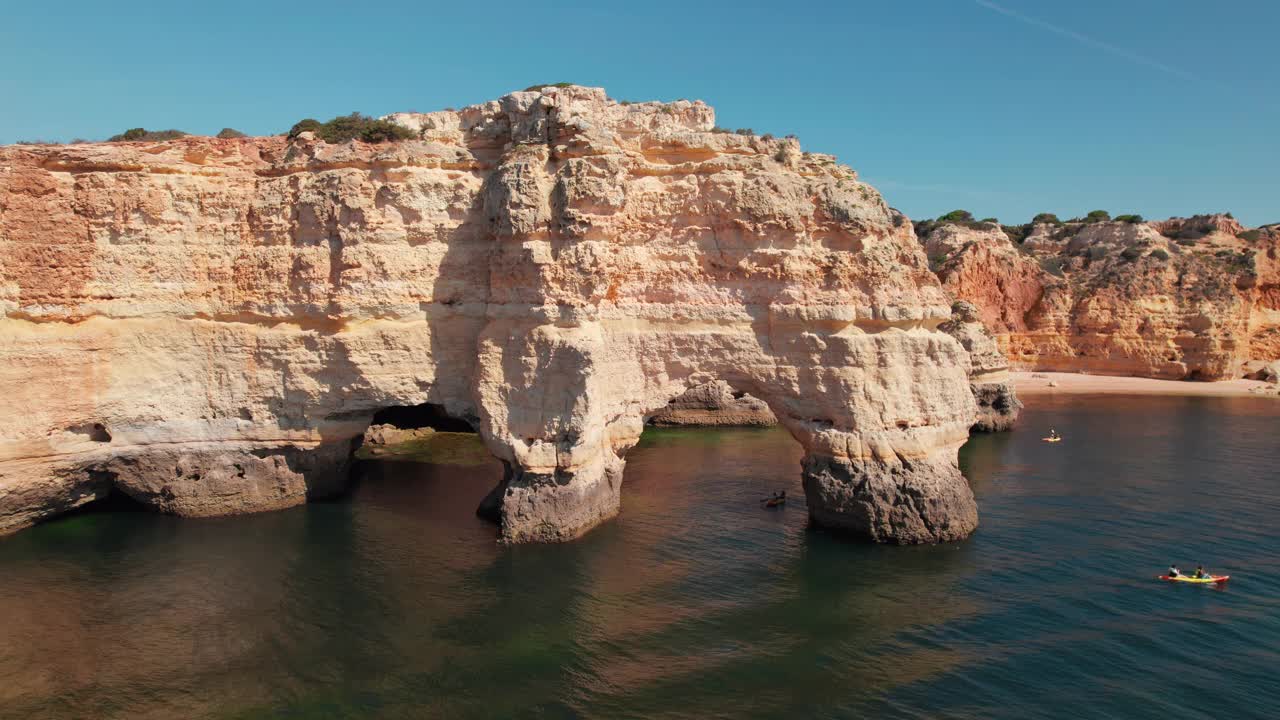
{"points": [[1186, 298]]}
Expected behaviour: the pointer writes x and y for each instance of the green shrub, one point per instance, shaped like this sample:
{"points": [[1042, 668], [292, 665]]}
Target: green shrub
{"points": [[531, 88], [1251, 235], [990, 220], [1046, 218], [923, 227], [1131, 219], [1016, 233], [1097, 216], [307, 125], [230, 134], [744, 131], [722, 131], [355, 126], [1160, 254], [956, 216], [1097, 252], [142, 134], [1131, 253]]}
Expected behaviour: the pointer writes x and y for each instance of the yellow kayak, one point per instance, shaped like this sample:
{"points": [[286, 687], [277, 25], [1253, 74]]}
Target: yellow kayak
{"points": [[1052, 439], [1200, 581]]}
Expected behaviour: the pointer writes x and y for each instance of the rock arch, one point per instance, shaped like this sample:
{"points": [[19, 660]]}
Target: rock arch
{"points": [[553, 264], [885, 470]]}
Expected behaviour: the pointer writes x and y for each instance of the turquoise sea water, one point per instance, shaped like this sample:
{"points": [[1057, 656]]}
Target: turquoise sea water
{"points": [[695, 603]]}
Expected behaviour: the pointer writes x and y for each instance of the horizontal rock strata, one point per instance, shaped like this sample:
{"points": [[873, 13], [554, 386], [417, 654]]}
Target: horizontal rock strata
{"points": [[1193, 299], [210, 325]]}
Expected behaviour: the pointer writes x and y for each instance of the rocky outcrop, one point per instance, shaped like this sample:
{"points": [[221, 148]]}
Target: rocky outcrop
{"points": [[1186, 298], [391, 435], [989, 379], [210, 325], [979, 264], [1267, 373], [714, 403]]}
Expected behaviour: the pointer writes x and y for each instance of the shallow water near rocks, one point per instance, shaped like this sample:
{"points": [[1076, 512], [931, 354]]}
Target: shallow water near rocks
{"points": [[696, 602]]}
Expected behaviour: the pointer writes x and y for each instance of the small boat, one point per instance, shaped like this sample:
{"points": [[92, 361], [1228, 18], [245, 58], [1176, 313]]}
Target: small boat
{"points": [[775, 502], [1053, 439], [1212, 579]]}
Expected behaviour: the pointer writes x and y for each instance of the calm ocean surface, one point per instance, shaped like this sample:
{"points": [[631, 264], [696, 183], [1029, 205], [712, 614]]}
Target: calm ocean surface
{"points": [[695, 603]]}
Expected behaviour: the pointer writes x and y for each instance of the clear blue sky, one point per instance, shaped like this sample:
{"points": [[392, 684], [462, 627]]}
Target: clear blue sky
{"points": [[1003, 107]]}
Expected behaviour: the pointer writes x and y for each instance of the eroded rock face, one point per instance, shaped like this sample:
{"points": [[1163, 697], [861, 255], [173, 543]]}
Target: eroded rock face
{"points": [[989, 379], [714, 403], [551, 267], [1199, 302]]}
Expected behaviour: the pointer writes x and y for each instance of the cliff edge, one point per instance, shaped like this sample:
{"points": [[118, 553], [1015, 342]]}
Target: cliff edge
{"points": [[1181, 299], [210, 325]]}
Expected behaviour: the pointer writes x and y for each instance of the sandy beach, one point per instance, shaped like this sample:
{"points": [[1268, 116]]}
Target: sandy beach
{"points": [[1041, 383]]}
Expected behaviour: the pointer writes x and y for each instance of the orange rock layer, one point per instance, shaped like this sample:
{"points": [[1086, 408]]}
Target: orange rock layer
{"points": [[1193, 299]]}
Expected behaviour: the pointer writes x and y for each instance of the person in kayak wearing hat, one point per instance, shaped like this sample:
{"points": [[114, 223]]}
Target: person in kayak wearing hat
{"points": [[1173, 571], [1200, 573]]}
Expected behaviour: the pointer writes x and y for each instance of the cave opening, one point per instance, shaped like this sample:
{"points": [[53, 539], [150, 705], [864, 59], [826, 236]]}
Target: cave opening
{"points": [[423, 461], [97, 432], [107, 498], [717, 450], [418, 417]]}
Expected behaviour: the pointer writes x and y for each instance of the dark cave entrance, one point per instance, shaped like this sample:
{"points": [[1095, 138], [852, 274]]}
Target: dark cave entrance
{"points": [[424, 461], [417, 417], [107, 499]]}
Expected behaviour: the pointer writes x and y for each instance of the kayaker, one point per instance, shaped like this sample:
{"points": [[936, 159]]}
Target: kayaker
{"points": [[1173, 571], [1200, 573]]}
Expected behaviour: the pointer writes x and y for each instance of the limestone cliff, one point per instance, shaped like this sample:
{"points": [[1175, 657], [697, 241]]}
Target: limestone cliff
{"points": [[1195, 299], [210, 325], [989, 379]]}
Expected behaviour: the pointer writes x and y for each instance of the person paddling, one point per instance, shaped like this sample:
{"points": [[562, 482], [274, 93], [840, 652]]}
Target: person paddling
{"points": [[1200, 573], [1173, 571], [776, 499]]}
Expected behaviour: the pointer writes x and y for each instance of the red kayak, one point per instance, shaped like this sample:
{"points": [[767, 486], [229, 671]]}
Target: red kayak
{"points": [[1212, 579]]}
